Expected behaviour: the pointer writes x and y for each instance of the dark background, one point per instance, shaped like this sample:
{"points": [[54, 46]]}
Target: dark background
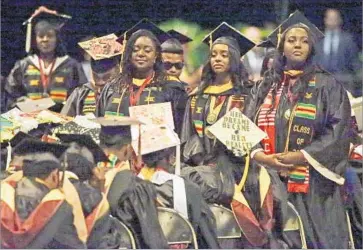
{"points": [[103, 17]]}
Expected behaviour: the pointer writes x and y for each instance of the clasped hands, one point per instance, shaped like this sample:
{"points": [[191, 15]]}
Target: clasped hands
{"points": [[282, 162]]}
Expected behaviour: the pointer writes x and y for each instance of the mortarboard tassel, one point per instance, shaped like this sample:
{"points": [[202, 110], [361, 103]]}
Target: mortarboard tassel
{"points": [[8, 158], [122, 51], [279, 37], [28, 37], [210, 41]]}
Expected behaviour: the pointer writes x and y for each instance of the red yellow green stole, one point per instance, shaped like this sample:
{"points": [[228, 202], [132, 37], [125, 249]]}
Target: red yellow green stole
{"points": [[89, 104], [300, 132]]}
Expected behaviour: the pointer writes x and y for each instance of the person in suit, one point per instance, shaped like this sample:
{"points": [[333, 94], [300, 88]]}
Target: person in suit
{"points": [[338, 53]]}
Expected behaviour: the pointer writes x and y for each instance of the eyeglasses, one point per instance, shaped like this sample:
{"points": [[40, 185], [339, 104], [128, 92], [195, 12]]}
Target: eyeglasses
{"points": [[169, 65]]}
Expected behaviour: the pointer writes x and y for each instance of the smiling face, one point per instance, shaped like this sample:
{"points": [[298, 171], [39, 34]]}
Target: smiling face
{"points": [[46, 41], [296, 47], [219, 60], [144, 54]]}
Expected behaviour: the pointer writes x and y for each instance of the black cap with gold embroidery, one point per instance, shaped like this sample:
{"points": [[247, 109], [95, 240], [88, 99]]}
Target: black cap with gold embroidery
{"points": [[226, 34], [294, 18], [145, 24]]}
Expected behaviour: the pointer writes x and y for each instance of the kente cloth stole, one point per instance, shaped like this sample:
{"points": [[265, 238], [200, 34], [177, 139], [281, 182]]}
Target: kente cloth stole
{"points": [[301, 120], [89, 105], [111, 163]]}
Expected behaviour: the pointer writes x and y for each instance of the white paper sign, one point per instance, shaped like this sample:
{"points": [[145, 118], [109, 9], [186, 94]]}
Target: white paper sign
{"points": [[152, 115], [35, 105], [154, 139], [237, 132]]}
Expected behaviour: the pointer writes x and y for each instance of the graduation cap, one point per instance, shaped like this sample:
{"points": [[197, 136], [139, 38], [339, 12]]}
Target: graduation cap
{"points": [[44, 19], [174, 44], [19, 137], [104, 52], [29, 105], [226, 34], [115, 127], [295, 18], [31, 146], [85, 141], [156, 144], [39, 157], [144, 24]]}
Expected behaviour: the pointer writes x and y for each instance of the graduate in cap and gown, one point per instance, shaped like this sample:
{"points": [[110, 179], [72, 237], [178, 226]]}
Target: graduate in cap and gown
{"points": [[104, 68], [221, 89], [132, 200], [142, 80], [47, 71], [34, 209], [218, 169], [181, 195], [82, 157], [10, 162], [306, 115], [172, 53]]}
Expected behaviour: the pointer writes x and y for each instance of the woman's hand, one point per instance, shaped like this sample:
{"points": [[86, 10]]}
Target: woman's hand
{"points": [[272, 161], [294, 158]]}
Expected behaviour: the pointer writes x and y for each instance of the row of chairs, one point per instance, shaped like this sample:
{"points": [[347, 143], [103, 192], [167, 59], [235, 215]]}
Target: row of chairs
{"points": [[178, 230]]}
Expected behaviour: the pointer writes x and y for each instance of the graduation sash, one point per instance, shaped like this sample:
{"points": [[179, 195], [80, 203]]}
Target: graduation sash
{"points": [[100, 211], [16, 233], [89, 104], [300, 131], [253, 228], [120, 102], [55, 87]]}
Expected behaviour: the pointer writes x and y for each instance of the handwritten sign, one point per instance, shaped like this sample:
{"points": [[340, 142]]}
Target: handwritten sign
{"points": [[152, 115], [155, 138], [238, 133], [102, 47]]}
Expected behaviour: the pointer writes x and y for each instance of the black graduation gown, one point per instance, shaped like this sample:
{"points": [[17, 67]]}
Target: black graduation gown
{"points": [[199, 214], [199, 148], [81, 102], [103, 234], [321, 209], [132, 201], [57, 232], [25, 80], [221, 170], [169, 91]]}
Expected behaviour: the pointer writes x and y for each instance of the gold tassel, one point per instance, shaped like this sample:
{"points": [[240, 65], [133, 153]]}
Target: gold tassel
{"points": [[28, 36], [139, 157], [123, 50], [8, 158], [279, 37], [210, 41]]}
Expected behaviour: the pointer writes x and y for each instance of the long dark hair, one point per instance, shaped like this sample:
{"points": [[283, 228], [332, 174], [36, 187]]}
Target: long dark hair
{"points": [[273, 79], [125, 78], [237, 70], [44, 26]]}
